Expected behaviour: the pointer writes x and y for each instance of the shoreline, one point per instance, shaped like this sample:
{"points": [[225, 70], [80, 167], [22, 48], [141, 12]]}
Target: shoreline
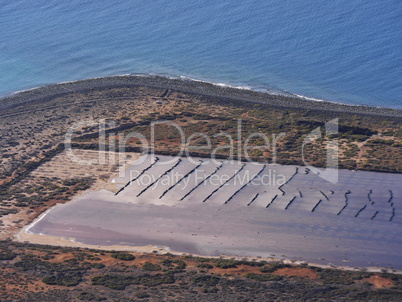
{"points": [[198, 87]]}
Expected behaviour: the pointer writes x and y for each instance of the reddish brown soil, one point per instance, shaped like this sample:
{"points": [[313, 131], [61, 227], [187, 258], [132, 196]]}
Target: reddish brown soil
{"points": [[297, 271], [379, 282]]}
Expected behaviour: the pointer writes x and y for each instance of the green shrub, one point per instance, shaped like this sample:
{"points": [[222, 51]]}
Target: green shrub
{"points": [[98, 265], [209, 290], [64, 279], [225, 263], [206, 281], [166, 262], [158, 279], [205, 265], [7, 255], [273, 267], [151, 267], [113, 282], [263, 278], [180, 264], [123, 256], [142, 295], [85, 296]]}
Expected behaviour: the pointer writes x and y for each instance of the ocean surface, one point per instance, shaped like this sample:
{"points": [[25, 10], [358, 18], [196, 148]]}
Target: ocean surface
{"points": [[343, 51]]}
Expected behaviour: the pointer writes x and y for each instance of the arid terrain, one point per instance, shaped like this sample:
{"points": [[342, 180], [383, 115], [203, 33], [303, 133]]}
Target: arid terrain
{"points": [[46, 273], [36, 173], [196, 206]]}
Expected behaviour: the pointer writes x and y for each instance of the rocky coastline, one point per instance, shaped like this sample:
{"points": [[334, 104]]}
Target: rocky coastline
{"points": [[189, 86]]}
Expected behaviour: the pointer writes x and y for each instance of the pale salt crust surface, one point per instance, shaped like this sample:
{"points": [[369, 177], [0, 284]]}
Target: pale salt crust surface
{"points": [[212, 220]]}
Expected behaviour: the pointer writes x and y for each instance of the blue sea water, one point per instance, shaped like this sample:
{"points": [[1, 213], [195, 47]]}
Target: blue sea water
{"points": [[344, 51]]}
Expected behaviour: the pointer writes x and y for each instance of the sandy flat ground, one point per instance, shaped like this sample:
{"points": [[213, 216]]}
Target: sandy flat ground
{"points": [[305, 218]]}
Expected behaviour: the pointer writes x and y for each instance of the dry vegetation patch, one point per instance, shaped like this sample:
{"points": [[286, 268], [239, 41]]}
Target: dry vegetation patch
{"points": [[379, 282], [297, 272], [241, 270], [102, 166]]}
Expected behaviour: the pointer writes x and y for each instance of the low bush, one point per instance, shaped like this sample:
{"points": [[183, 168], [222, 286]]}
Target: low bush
{"points": [[123, 256], [147, 266], [64, 279], [263, 278]]}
